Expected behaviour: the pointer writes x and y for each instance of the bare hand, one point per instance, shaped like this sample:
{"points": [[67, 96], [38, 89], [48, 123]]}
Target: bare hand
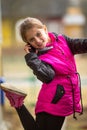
{"points": [[27, 48]]}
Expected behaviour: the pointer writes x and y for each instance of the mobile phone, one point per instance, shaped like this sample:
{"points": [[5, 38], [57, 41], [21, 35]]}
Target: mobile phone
{"points": [[32, 48]]}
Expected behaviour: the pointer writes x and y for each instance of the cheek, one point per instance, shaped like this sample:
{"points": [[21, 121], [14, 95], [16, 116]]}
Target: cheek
{"points": [[45, 37]]}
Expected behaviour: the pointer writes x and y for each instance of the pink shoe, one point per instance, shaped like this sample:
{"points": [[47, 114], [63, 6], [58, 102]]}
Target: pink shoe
{"points": [[16, 100], [15, 96]]}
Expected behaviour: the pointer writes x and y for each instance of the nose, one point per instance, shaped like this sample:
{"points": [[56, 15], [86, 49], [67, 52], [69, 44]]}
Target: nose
{"points": [[37, 39]]}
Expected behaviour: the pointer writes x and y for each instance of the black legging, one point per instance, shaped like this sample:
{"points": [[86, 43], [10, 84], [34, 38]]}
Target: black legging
{"points": [[44, 121]]}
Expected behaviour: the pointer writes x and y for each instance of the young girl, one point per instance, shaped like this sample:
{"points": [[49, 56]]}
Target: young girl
{"points": [[51, 57]]}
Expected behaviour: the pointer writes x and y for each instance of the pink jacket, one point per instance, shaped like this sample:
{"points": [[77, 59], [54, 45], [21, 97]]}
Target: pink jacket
{"points": [[62, 60]]}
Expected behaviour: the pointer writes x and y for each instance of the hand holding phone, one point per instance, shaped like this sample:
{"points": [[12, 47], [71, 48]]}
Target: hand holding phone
{"points": [[28, 48]]}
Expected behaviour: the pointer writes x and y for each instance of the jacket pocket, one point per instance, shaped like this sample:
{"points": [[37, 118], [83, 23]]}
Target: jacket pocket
{"points": [[58, 94]]}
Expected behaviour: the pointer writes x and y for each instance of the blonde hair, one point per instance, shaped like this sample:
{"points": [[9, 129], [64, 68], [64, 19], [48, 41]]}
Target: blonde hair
{"points": [[27, 24]]}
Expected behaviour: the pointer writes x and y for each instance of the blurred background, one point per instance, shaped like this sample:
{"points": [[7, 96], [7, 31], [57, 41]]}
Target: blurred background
{"points": [[68, 17]]}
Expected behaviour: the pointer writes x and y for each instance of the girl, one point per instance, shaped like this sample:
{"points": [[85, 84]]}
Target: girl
{"points": [[51, 57]]}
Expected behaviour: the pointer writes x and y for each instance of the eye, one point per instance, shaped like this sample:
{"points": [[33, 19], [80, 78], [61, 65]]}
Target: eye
{"points": [[39, 34], [31, 40]]}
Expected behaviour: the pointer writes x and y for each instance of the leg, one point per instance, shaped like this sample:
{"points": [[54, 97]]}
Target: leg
{"points": [[26, 118], [49, 122], [16, 100]]}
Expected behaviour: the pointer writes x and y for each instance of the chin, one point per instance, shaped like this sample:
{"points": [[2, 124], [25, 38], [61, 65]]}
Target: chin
{"points": [[43, 47]]}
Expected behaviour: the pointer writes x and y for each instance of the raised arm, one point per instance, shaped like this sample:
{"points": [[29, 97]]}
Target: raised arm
{"points": [[77, 46]]}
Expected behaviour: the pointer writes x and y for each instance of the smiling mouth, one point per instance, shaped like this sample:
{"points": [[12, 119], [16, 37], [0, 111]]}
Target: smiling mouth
{"points": [[40, 44]]}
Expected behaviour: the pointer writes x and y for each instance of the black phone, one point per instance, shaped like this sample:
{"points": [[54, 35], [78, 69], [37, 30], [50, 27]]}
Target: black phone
{"points": [[32, 49]]}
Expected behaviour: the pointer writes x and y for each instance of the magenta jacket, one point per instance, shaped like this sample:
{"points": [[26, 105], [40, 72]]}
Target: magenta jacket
{"points": [[60, 97]]}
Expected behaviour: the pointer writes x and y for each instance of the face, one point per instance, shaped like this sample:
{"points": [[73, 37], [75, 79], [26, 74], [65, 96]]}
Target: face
{"points": [[37, 37]]}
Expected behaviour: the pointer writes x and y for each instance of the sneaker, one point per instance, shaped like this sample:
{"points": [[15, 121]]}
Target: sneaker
{"points": [[15, 96]]}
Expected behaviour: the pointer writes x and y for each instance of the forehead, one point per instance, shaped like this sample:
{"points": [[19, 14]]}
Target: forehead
{"points": [[32, 32]]}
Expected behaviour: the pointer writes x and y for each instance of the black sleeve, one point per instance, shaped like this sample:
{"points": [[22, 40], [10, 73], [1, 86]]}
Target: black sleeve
{"points": [[43, 71], [77, 46]]}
